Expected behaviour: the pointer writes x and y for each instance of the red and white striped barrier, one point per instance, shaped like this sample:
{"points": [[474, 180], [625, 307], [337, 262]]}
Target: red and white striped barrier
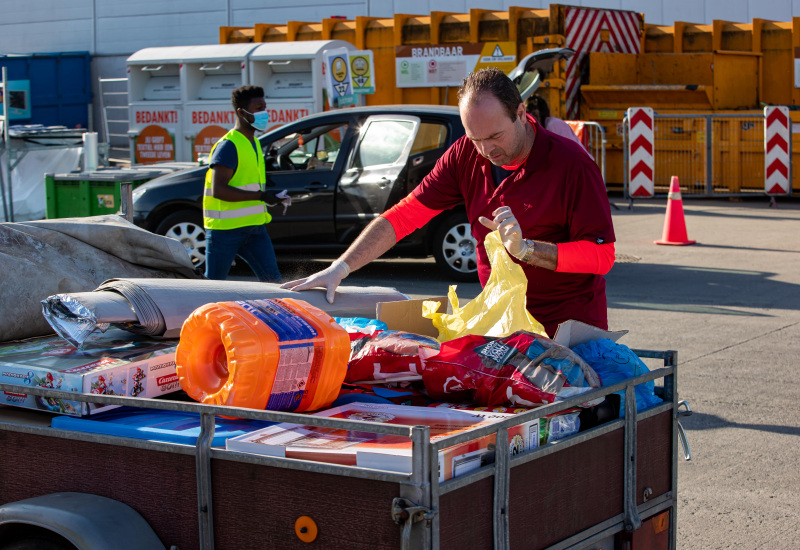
{"points": [[777, 151], [641, 164], [596, 30]]}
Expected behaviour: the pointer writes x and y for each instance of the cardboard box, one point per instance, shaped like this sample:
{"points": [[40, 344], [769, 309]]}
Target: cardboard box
{"points": [[116, 362], [574, 333], [406, 315]]}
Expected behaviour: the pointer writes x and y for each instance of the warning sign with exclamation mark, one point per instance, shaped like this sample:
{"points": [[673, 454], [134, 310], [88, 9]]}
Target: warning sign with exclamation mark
{"points": [[502, 55]]}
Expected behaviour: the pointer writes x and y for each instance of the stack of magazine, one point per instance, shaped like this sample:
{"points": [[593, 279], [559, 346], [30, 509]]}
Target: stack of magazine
{"points": [[387, 452]]}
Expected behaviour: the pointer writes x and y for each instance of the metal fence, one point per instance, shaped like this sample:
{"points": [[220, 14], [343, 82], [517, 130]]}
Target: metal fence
{"points": [[593, 137], [595, 142], [713, 155]]}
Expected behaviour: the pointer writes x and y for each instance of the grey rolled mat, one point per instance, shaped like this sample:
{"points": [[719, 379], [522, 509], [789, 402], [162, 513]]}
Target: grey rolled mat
{"points": [[158, 307], [45, 257]]}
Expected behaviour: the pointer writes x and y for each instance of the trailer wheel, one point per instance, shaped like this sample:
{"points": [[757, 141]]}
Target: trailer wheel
{"points": [[39, 541], [68, 521]]}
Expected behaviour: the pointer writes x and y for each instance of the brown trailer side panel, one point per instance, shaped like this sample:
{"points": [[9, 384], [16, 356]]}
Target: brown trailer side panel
{"points": [[563, 493], [161, 486], [654, 455], [465, 517], [261, 503], [567, 492]]}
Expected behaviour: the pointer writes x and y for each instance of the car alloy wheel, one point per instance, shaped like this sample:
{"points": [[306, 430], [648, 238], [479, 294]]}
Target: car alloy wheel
{"points": [[186, 228], [455, 248]]}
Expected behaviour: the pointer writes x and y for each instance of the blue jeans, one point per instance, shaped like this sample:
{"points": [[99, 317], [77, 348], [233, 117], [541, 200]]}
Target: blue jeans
{"points": [[252, 243]]}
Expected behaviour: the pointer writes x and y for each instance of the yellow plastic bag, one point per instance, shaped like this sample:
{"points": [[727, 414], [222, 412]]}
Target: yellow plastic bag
{"points": [[499, 310]]}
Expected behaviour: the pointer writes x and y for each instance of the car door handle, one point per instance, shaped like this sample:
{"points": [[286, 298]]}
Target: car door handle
{"points": [[316, 186], [417, 161], [384, 182]]}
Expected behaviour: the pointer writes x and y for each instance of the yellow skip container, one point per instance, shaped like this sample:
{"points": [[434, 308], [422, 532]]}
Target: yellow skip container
{"points": [[278, 354]]}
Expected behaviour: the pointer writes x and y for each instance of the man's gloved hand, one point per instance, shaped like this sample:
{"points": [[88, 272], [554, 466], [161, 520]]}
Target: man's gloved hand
{"points": [[510, 232], [329, 278]]}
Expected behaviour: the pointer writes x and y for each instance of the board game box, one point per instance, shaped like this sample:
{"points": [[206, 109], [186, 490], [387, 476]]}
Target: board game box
{"points": [[116, 362]]}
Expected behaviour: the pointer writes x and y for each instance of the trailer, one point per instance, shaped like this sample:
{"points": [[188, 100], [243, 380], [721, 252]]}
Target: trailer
{"points": [[611, 486]]}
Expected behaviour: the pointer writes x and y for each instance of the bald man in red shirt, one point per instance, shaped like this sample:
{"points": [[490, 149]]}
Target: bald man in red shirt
{"points": [[542, 192]]}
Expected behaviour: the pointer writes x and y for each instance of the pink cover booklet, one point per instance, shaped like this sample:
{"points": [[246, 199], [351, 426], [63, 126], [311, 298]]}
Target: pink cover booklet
{"points": [[387, 452]]}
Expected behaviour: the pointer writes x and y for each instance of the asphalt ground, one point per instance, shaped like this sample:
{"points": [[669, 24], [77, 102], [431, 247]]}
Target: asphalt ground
{"points": [[730, 306]]}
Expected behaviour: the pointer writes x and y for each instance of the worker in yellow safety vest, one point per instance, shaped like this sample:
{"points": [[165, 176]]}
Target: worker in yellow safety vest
{"points": [[235, 197]]}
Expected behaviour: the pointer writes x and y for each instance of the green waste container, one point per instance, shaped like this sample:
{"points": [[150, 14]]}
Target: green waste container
{"points": [[82, 194]]}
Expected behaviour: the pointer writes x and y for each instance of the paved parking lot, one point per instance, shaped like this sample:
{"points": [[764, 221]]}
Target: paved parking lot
{"points": [[730, 306]]}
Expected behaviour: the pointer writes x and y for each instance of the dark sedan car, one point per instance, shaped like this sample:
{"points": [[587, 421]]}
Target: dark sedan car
{"points": [[342, 169]]}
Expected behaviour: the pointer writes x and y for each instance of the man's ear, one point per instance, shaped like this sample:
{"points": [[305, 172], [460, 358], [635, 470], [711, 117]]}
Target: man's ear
{"points": [[521, 113]]}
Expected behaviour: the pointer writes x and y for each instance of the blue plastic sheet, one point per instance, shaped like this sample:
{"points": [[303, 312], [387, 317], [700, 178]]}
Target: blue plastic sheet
{"points": [[614, 363], [360, 324]]}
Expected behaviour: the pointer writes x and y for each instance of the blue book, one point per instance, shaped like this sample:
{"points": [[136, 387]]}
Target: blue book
{"points": [[157, 425]]}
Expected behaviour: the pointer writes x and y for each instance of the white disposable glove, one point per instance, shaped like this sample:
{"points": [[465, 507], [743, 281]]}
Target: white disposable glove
{"points": [[329, 278], [508, 227], [286, 200]]}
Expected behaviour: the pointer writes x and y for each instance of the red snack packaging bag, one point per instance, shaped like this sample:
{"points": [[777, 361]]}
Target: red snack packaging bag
{"points": [[387, 356], [499, 372]]}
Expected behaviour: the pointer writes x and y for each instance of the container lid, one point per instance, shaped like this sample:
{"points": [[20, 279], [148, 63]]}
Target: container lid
{"points": [[110, 175], [39, 131], [162, 87], [169, 54], [290, 50], [219, 86], [289, 85], [218, 52]]}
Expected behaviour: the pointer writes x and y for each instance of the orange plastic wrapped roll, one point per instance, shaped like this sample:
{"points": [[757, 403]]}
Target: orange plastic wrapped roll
{"points": [[279, 355]]}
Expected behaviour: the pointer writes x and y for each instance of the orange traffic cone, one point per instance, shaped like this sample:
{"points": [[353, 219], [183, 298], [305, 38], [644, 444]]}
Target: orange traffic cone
{"points": [[674, 224]]}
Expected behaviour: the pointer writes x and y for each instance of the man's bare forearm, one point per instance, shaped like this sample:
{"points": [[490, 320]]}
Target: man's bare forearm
{"points": [[374, 241]]}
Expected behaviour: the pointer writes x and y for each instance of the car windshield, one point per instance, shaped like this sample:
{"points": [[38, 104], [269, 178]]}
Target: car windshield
{"points": [[316, 147]]}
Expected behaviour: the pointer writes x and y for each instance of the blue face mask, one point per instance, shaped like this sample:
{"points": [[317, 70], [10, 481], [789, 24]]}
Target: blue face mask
{"points": [[261, 119]]}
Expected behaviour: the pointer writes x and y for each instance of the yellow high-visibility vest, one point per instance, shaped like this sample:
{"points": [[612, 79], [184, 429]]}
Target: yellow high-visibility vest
{"points": [[251, 175]]}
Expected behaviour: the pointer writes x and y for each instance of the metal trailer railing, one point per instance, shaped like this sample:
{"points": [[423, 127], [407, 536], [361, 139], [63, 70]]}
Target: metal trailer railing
{"points": [[8, 199], [416, 509], [713, 155]]}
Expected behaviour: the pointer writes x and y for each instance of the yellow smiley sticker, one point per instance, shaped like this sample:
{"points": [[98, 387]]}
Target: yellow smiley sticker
{"points": [[339, 69], [360, 66]]}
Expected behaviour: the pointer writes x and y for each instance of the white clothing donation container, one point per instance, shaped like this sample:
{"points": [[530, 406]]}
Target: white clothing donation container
{"points": [[155, 105], [211, 72], [291, 74]]}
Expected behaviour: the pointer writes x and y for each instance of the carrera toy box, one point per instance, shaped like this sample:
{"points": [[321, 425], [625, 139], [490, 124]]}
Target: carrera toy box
{"points": [[112, 363]]}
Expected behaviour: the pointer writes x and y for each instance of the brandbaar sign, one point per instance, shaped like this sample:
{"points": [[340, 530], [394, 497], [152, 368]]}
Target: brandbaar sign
{"points": [[422, 66]]}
